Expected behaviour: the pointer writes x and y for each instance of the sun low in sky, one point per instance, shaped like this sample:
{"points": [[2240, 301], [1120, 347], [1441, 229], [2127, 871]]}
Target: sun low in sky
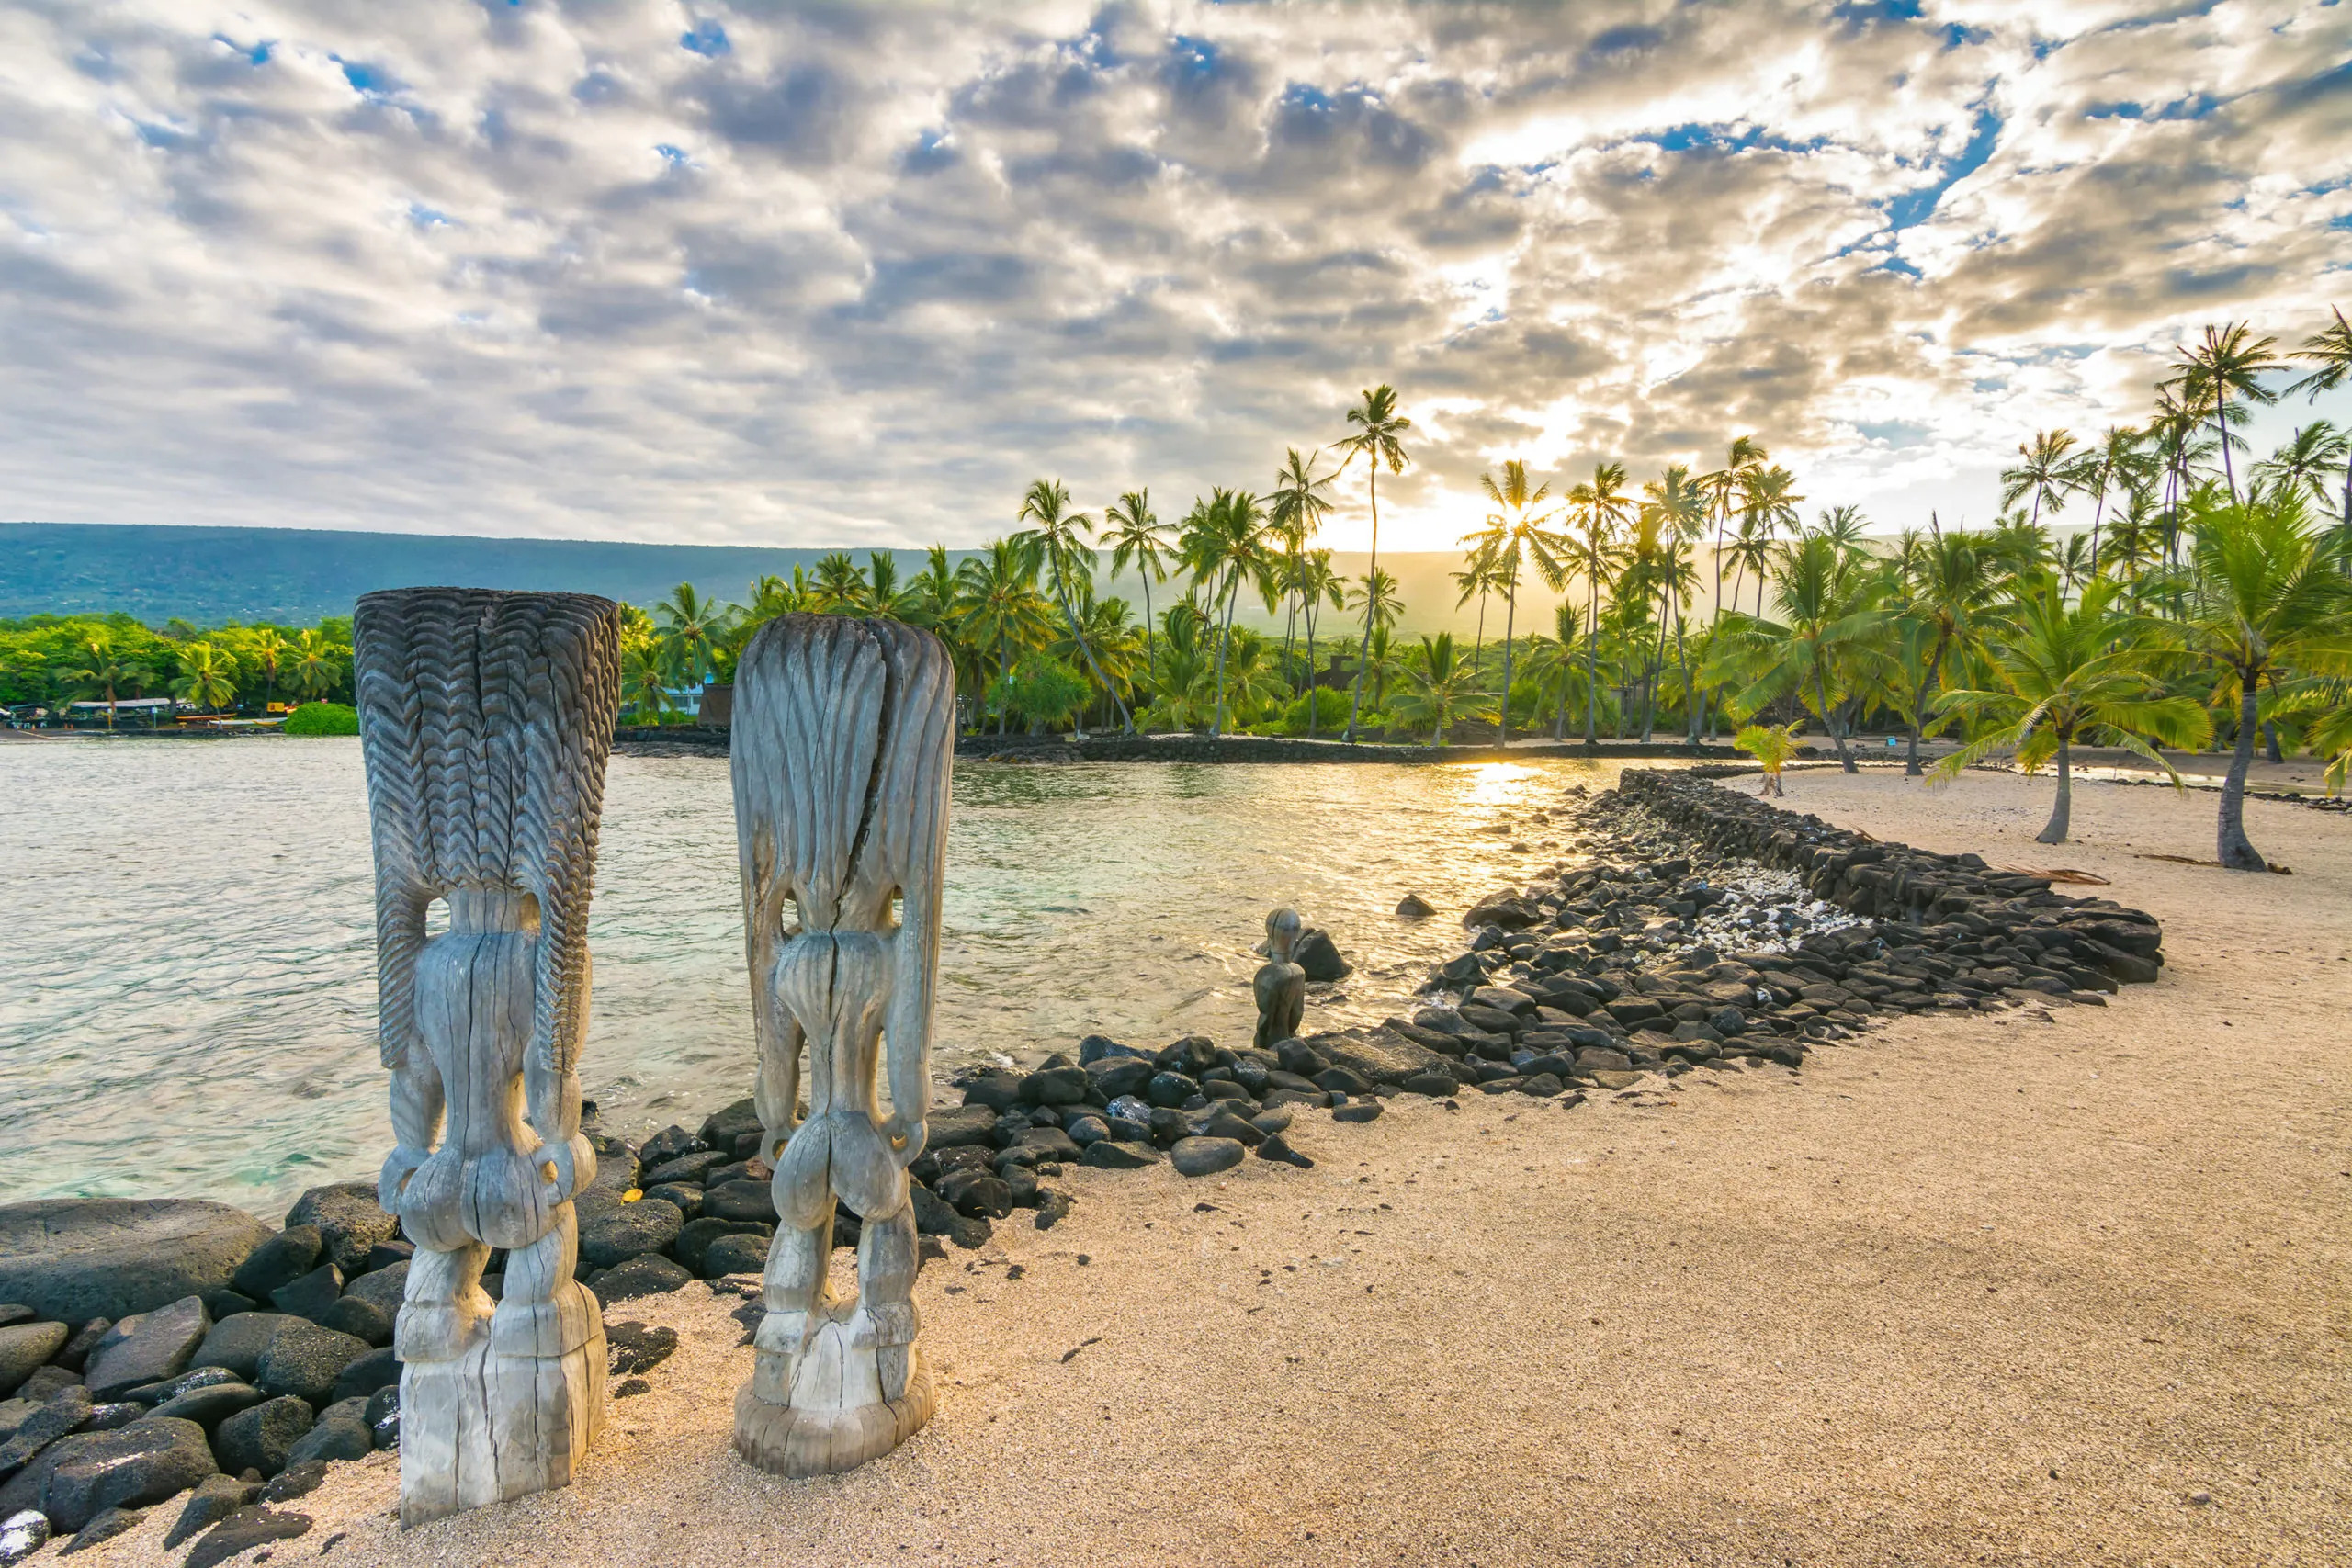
{"points": [[854, 274]]}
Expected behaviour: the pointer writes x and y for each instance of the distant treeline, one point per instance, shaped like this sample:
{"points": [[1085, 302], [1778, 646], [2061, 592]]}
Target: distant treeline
{"points": [[50, 662]]}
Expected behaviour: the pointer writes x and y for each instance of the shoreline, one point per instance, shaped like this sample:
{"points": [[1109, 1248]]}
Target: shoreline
{"points": [[1820, 1314]]}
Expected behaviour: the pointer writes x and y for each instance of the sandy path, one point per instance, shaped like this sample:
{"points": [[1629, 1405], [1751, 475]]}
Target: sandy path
{"points": [[1992, 1289]]}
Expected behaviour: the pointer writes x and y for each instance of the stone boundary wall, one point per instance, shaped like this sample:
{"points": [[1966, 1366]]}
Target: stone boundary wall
{"points": [[1900, 884]]}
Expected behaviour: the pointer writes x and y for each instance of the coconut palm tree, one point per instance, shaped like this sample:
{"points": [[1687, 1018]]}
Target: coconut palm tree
{"points": [[1833, 612], [1134, 535], [1771, 745], [839, 586], [1952, 597], [2266, 594], [1376, 595], [1437, 683], [1674, 508], [692, 626], [1518, 531], [1063, 539], [268, 653], [1600, 507], [1320, 585], [103, 673], [2049, 473], [2331, 349], [2119, 458], [645, 680], [2064, 673], [2306, 463], [1721, 486], [2228, 361], [315, 669], [1001, 607], [1379, 438], [1223, 543], [1295, 508], [1768, 507], [1552, 663], [204, 678], [1474, 580]]}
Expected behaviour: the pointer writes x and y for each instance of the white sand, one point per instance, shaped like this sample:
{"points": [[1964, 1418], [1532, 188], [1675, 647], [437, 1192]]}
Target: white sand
{"points": [[1983, 1289]]}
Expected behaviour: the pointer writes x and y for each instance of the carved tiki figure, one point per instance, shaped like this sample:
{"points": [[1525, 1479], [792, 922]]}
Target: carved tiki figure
{"points": [[485, 718], [1280, 985], [844, 735]]}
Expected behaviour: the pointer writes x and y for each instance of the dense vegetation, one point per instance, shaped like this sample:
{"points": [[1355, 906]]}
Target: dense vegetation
{"points": [[48, 661]]}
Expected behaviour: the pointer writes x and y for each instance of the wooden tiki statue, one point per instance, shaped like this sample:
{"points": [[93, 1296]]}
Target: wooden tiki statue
{"points": [[844, 735], [485, 720]]}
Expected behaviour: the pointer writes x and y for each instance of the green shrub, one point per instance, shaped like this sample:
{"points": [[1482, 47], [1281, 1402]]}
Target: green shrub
{"points": [[322, 718], [1331, 713], [1047, 692]]}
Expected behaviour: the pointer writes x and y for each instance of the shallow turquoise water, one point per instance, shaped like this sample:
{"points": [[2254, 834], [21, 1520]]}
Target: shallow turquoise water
{"points": [[186, 956]]}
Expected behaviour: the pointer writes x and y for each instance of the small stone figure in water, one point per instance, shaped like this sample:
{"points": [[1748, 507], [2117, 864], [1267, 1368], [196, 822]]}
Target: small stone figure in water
{"points": [[1280, 984]]}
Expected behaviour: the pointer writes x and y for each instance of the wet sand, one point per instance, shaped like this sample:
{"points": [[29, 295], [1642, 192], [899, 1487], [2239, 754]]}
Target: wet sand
{"points": [[2062, 1287]]}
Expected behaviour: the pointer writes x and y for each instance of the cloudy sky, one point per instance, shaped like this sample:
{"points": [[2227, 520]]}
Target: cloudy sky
{"points": [[853, 274]]}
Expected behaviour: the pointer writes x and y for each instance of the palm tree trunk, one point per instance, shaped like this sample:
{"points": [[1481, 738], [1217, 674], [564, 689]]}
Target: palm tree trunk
{"points": [[1690, 683], [1510, 619], [1829, 719], [1314, 686], [1478, 649], [1371, 599], [1591, 683], [2099, 510], [1004, 682], [2221, 418], [1224, 634], [2055, 831], [2236, 850], [1919, 710]]}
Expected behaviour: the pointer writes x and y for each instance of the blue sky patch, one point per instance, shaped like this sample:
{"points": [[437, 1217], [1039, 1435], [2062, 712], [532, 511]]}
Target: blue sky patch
{"points": [[708, 40], [1915, 206]]}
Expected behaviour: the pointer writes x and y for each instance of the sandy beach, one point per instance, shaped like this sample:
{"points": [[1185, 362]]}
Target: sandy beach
{"points": [[2051, 1287]]}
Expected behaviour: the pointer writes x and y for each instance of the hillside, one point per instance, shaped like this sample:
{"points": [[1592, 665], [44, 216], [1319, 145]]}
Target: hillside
{"points": [[213, 575]]}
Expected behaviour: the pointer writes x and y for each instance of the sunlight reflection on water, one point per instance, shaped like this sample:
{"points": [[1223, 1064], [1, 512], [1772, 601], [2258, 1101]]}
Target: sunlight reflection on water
{"points": [[187, 973]]}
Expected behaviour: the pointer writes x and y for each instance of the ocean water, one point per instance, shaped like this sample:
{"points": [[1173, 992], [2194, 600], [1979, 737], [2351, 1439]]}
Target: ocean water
{"points": [[186, 943]]}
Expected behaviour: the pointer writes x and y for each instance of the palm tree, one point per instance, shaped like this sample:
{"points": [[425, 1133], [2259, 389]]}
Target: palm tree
{"points": [[1475, 581], [270, 650], [1833, 613], [840, 587], [1772, 746], [1320, 585], [1720, 486], [2228, 361], [1674, 509], [2066, 672], [315, 670], [2331, 349], [1553, 665], [691, 627], [882, 595], [1296, 509], [1134, 535], [1952, 595], [2048, 474], [1516, 531], [1223, 544], [1062, 538], [645, 680], [2303, 464], [1002, 609], [1768, 506], [103, 673], [204, 678], [1436, 682], [2268, 593], [1379, 438], [1376, 595], [1110, 631], [1601, 507], [2118, 457]]}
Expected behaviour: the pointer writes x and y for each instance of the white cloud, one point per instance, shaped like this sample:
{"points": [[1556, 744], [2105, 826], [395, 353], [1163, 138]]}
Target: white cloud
{"points": [[801, 273]]}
